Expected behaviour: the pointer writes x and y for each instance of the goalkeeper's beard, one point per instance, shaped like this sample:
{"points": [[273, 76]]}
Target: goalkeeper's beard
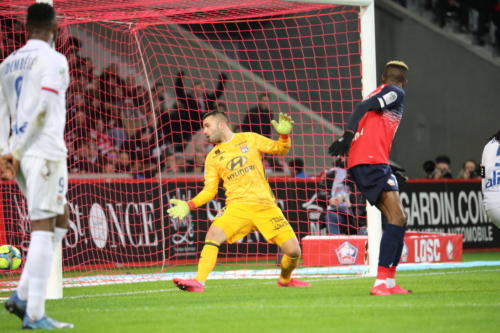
{"points": [[214, 139]]}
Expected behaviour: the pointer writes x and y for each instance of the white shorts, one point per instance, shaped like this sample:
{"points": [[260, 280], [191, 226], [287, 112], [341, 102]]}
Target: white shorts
{"points": [[44, 183]]}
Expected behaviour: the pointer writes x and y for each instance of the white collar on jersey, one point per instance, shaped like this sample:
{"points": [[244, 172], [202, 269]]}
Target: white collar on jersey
{"points": [[38, 42]]}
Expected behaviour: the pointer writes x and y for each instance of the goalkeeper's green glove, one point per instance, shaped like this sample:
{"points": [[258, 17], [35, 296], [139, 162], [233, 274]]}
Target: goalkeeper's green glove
{"points": [[180, 209], [284, 124]]}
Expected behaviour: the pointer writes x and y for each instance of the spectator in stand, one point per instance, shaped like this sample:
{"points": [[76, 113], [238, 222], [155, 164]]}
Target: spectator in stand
{"points": [[147, 151], [469, 170], [109, 167], [193, 105], [444, 9], [258, 119], [133, 119], [297, 168], [99, 135], [334, 197], [116, 132], [429, 167], [87, 159], [443, 170], [123, 163], [165, 99], [74, 45], [196, 152], [485, 9], [80, 126], [221, 107]]}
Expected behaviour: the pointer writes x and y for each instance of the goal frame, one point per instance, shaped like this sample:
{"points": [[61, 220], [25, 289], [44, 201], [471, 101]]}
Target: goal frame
{"points": [[369, 83]]}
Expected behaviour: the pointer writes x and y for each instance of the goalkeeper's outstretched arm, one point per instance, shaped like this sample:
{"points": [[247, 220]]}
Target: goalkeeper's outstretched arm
{"points": [[180, 208]]}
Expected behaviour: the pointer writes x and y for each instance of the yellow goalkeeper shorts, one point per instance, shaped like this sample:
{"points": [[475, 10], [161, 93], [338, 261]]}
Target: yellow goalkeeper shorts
{"points": [[238, 220]]}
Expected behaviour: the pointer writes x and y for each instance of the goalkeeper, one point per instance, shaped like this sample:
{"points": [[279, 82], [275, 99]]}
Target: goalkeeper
{"points": [[250, 203]]}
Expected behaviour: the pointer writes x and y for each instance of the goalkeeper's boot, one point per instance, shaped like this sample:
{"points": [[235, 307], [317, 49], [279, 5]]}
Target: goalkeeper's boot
{"points": [[380, 290], [46, 323], [398, 290], [189, 285], [16, 306], [293, 283]]}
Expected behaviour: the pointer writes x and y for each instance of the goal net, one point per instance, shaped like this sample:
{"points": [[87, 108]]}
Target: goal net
{"points": [[143, 73]]}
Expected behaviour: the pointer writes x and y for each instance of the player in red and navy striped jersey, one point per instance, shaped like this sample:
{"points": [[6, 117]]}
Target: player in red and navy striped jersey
{"points": [[368, 140]]}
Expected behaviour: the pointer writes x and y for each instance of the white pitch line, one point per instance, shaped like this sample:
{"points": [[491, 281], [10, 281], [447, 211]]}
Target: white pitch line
{"points": [[261, 282]]}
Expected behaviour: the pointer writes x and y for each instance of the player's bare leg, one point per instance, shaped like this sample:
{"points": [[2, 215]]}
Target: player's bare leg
{"points": [[61, 227], [290, 260], [208, 258], [391, 244]]}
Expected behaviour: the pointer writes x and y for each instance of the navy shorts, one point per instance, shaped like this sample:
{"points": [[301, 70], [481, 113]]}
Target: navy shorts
{"points": [[373, 179]]}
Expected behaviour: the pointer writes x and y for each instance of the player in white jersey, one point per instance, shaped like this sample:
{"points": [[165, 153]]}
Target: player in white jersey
{"points": [[33, 83], [490, 172]]}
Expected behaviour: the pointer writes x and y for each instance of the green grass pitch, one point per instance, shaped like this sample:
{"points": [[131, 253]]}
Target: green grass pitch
{"points": [[456, 300]]}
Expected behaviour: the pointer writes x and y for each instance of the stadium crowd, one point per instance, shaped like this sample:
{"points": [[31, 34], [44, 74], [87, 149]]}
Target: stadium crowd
{"points": [[111, 129], [440, 168], [479, 18]]}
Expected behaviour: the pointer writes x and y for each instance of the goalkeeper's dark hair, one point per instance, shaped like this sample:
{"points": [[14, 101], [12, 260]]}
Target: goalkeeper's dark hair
{"points": [[219, 114], [40, 16]]}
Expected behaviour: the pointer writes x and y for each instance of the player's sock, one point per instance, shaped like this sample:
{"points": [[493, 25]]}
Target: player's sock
{"points": [[382, 274], [391, 279], [390, 243], [59, 234], [389, 247], [288, 264], [208, 258], [39, 262], [22, 286]]}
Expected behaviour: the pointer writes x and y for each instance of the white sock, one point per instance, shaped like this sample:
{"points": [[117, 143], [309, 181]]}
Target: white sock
{"points": [[22, 286], [391, 283], [59, 234], [39, 263], [378, 282]]}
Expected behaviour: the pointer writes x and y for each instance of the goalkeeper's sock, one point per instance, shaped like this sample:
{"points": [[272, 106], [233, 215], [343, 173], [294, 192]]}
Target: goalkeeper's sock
{"points": [[39, 262], [208, 258], [288, 264], [59, 234]]}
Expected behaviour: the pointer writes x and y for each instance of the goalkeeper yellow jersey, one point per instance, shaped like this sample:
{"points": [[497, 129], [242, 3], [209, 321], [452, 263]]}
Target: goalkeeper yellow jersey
{"points": [[239, 164]]}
